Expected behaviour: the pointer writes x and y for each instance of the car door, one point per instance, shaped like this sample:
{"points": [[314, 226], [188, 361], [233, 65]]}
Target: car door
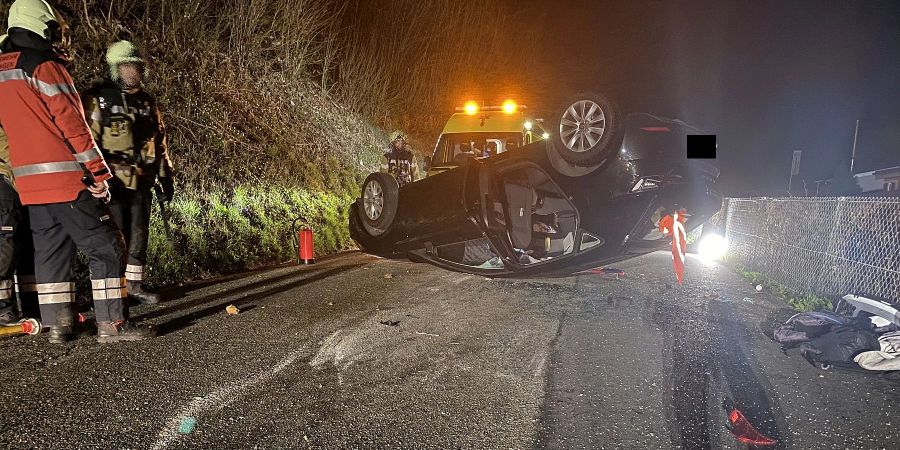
{"points": [[528, 218], [436, 210], [461, 244]]}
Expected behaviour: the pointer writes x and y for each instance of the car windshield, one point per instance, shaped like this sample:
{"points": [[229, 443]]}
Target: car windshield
{"points": [[454, 148]]}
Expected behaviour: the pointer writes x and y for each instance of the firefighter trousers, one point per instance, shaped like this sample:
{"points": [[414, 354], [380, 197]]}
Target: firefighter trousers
{"points": [[86, 224], [131, 211], [16, 254]]}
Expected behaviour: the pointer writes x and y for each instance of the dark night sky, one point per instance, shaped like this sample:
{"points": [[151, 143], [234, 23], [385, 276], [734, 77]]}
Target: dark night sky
{"points": [[767, 77]]}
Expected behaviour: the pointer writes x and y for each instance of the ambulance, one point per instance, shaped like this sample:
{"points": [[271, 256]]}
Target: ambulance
{"points": [[476, 131]]}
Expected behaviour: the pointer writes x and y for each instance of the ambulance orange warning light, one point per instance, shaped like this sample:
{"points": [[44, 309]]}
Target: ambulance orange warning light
{"points": [[509, 106]]}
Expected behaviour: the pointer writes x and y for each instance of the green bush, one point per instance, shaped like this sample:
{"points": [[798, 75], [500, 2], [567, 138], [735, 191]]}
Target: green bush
{"points": [[810, 302], [215, 233]]}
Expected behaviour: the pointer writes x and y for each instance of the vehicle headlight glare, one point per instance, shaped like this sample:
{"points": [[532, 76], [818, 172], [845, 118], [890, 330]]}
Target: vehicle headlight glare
{"points": [[528, 125], [546, 136]]}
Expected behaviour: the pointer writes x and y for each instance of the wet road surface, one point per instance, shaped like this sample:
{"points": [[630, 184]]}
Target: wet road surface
{"points": [[358, 352]]}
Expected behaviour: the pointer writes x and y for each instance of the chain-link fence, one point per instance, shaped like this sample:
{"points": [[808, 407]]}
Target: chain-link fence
{"points": [[819, 245]]}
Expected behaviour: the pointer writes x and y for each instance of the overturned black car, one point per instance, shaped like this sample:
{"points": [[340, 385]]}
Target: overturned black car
{"points": [[590, 195]]}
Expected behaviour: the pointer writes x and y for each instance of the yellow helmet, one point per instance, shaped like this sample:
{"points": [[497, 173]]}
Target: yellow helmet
{"points": [[122, 52], [36, 16]]}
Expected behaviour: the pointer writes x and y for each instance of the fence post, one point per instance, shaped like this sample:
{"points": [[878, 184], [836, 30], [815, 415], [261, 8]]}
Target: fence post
{"points": [[836, 249]]}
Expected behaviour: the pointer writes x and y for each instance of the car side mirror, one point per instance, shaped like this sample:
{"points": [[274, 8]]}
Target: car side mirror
{"points": [[427, 161]]}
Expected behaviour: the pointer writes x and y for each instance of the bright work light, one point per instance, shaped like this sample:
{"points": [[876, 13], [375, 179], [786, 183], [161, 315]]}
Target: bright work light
{"points": [[713, 246], [528, 125]]}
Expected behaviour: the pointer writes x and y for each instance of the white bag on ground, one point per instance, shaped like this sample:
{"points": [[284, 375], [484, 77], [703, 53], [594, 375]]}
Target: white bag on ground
{"points": [[886, 359]]}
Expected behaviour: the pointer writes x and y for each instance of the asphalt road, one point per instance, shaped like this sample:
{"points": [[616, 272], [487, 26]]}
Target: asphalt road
{"points": [[356, 352]]}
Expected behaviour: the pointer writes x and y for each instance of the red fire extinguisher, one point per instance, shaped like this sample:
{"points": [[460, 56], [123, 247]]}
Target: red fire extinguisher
{"points": [[303, 240]]}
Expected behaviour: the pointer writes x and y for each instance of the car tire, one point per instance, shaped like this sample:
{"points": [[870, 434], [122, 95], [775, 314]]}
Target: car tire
{"points": [[586, 129], [378, 203]]}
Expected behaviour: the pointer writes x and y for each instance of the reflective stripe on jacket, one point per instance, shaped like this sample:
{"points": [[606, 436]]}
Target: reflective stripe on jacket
{"points": [[50, 145]]}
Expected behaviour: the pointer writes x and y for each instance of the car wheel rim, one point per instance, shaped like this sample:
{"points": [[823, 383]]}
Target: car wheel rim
{"points": [[373, 200], [582, 126]]}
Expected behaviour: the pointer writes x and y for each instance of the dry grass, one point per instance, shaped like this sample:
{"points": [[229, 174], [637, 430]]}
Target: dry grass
{"points": [[407, 63]]}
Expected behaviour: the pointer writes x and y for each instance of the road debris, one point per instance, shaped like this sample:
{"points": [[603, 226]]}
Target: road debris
{"points": [[232, 310], [758, 288], [748, 300], [391, 323], [606, 271], [427, 334], [744, 432], [618, 300], [388, 276], [187, 425]]}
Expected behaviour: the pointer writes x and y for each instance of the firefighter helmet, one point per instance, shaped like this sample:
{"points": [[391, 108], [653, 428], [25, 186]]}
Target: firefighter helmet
{"points": [[36, 16], [122, 52]]}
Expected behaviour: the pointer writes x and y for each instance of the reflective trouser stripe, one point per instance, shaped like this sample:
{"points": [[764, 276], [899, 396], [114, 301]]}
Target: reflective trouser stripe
{"points": [[105, 283], [110, 294], [61, 297], [49, 167], [134, 272], [109, 289], [25, 283], [6, 289], [56, 293]]}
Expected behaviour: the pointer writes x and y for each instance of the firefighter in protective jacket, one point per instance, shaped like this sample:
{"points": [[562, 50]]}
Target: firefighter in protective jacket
{"points": [[401, 162], [60, 175], [128, 127]]}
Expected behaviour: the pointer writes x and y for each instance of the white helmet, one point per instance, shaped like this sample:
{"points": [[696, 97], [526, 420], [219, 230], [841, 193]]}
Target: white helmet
{"points": [[36, 16]]}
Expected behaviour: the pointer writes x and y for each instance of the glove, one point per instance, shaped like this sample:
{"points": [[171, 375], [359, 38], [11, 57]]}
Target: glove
{"points": [[168, 187]]}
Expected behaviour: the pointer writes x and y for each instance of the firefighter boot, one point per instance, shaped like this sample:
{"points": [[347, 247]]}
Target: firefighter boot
{"points": [[121, 331], [61, 332], [137, 292]]}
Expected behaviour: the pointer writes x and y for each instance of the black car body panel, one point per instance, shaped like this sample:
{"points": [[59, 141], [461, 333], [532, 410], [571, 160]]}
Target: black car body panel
{"points": [[494, 207]]}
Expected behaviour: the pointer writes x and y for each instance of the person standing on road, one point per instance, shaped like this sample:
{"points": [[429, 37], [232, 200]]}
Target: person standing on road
{"points": [[16, 247], [61, 175], [401, 163], [126, 123]]}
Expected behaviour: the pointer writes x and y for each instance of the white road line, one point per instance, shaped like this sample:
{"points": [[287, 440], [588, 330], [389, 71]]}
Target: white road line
{"points": [[218, 399]]}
